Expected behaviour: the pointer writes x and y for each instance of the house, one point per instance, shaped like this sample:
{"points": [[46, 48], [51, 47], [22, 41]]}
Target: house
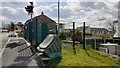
{"points": [[94, 31], [98, 31], [87, 29]]}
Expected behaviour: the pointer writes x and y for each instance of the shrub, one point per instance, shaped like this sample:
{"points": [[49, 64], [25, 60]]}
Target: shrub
{"points": [[78, 35], [62, 36]]}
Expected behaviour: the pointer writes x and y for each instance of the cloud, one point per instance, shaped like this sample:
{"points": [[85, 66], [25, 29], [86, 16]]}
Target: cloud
{"points": [[52, 11], [93, 13], [71, 11], [2, 18], [14, 4], [12, 14]]}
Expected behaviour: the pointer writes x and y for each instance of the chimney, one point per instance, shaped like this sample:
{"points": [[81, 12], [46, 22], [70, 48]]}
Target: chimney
{"points": [[42, 13]]}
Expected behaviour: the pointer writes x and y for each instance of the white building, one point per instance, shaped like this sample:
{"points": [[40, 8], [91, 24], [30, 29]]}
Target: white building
{"points": [[61, 26], [94, 31], [119, 30], [110, 48], [117, 34]]}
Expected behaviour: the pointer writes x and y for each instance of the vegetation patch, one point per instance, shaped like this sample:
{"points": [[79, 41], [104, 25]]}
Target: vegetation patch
{"points": [[86, 57]]}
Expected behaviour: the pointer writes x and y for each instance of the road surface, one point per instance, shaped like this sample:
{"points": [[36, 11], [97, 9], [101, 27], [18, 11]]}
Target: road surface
{"points": [[3, 40], [17, 55]]}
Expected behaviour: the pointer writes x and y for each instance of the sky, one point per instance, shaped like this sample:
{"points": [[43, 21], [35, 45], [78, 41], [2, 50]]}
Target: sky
{"points": [[96, 13]]}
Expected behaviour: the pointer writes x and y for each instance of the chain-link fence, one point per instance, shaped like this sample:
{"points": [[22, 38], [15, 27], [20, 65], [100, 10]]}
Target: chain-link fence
{"points": [[111, 48], [95, 43]]}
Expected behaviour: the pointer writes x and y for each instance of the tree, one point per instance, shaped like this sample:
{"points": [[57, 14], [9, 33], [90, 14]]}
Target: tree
{"points": [[62, 36], [78, 34]]}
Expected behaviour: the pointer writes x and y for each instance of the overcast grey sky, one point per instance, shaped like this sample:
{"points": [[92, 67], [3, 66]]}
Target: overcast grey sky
{"points": [[95, 12]]}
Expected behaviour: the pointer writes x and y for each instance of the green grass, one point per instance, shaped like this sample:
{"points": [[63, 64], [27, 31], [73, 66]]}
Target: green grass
{"points": [[85, 58]]}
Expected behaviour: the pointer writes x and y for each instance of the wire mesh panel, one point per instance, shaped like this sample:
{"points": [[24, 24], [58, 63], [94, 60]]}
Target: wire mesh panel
{"points": [[109, 40], [117, 41], [30, 32], [98, 42], [26, 33], [35, 32], [89, 42], [42, 32]]}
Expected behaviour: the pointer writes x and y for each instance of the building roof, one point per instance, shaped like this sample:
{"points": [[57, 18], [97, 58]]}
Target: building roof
{"points": [[99, 29], [92, 28], [81, 28], [43, 19]]}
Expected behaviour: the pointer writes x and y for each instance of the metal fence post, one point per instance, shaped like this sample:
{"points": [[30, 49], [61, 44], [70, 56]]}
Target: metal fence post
{"points": [[74, 37], [83, 35], [95, 44], [104, 40]]}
